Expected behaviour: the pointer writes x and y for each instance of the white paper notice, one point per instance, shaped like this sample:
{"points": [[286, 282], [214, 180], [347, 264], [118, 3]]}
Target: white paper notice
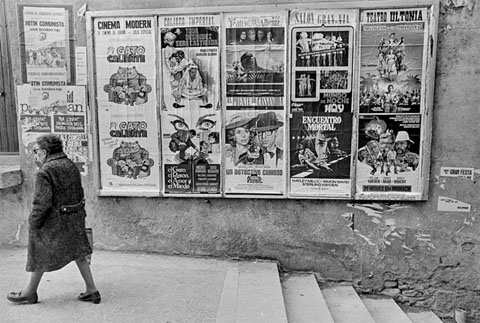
{"points": [[451, 205], [81, 65], [457, 172]]}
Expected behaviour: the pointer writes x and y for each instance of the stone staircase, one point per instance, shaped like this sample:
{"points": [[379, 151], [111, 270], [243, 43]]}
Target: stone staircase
{"points": [[254, 292], [305, 302]]}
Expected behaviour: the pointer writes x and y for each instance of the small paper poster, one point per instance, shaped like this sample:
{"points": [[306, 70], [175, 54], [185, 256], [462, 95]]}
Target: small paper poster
{"points": [[459, 172], [451, 205]]}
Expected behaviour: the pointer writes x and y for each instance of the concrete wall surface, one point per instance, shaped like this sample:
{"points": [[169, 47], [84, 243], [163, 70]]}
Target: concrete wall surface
{"points": [[410, 250]]}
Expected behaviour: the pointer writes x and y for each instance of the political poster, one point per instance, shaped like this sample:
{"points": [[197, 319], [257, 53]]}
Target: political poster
{"points": [[190, 104], [60, 110], [322, 48], [255, 122], [46, 41], [391, 103], [126, 105]]}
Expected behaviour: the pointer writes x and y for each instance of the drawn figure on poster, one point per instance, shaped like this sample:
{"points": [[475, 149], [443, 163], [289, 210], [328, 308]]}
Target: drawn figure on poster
{"points": [[191, 87], [391, 57], [383, 152], [261, 37], [130, 160], [305, 156], [181, 143], [127, 86], [303, 45], [305, 85], [242, 149], [266, 131], [169, 40], [390, 100], [251, 37], [405, 159]]}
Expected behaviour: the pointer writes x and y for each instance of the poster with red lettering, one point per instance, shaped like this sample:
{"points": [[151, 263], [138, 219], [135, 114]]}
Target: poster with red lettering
{"points": [[126, 106], [322, 51]]}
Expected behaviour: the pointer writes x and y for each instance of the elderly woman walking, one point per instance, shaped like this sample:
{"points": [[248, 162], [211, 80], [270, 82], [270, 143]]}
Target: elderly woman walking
{"points": [[57, 222]]}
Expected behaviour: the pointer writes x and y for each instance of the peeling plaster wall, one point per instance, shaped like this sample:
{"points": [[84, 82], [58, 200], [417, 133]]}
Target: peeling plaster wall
{"points": [[411, 251]]}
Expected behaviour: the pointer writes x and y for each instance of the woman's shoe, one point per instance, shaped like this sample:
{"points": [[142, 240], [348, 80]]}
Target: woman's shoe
{"points": [[94, 297], [19, 299]]}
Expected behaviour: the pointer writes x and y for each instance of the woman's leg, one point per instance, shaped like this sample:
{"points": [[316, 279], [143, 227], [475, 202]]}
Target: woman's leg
{"points": [[84, 268], [33, 283]]}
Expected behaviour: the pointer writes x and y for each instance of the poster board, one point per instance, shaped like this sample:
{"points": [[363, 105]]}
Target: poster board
{"points": [[309, 98]]}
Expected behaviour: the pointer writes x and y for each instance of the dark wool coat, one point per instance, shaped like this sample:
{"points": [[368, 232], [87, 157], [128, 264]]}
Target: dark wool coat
{"points": [[56, 237]]}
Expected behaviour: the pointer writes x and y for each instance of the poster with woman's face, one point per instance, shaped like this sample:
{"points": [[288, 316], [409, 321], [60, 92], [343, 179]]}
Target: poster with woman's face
{"points": [[255, 135]]}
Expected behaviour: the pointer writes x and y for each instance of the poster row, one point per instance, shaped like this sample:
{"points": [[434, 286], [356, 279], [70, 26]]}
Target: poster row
{"points": [[306, 103]]}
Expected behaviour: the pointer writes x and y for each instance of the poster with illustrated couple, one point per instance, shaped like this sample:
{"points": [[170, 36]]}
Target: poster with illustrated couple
{"points": [[190, 103]]}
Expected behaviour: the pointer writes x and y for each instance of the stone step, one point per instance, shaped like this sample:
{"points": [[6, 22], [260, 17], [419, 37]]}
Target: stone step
{"points": [[252, 293], [424, 317], [304, 302], [385, 310], [346, 306]]}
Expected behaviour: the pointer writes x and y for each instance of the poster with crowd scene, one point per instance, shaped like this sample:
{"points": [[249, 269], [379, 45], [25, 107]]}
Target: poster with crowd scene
{"points": [[59, 110], [190, 104], [255, 125], [391, 86], [392, 55], [322, 47], [126, 105], [46, 43]]}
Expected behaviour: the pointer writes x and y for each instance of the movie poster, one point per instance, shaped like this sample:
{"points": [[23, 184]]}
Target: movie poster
{"points": [[391, 90], [322, 48], [255, 125], [126, 105], [190, 104], [60, 110], [45, 45], [392, 55]]}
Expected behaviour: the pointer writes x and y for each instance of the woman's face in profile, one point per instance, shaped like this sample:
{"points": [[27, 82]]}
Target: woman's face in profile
{"points": [[242, 136]]}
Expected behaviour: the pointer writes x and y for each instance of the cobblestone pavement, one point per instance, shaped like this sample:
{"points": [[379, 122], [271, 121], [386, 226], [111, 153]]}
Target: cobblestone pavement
{"points": [[135, 287]]}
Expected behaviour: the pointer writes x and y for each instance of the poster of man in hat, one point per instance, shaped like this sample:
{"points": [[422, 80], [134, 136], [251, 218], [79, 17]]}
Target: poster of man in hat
{"points": [[266, 131], [254, 152], [388, 156]]}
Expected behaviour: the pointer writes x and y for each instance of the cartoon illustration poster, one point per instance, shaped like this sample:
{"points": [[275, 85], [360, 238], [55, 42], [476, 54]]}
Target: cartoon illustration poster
{"points": [[60, 110], [45, 45], [388, 157], [321, 102], [190, 103], [391, 90], [255, 125], [392, 55], [126, 105]]}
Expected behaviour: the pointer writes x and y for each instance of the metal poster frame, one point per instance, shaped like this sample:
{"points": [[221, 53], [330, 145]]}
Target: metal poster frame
{"points": [[428, 77]]}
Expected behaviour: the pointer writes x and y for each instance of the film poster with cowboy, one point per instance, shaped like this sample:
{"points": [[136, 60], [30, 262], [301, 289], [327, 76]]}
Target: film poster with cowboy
{"points": [[190, 108], [388, 156], [126, 100], [321, 102]]}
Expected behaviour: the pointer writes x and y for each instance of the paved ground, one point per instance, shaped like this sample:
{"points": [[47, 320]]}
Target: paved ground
{"points": [[134, 287]]}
